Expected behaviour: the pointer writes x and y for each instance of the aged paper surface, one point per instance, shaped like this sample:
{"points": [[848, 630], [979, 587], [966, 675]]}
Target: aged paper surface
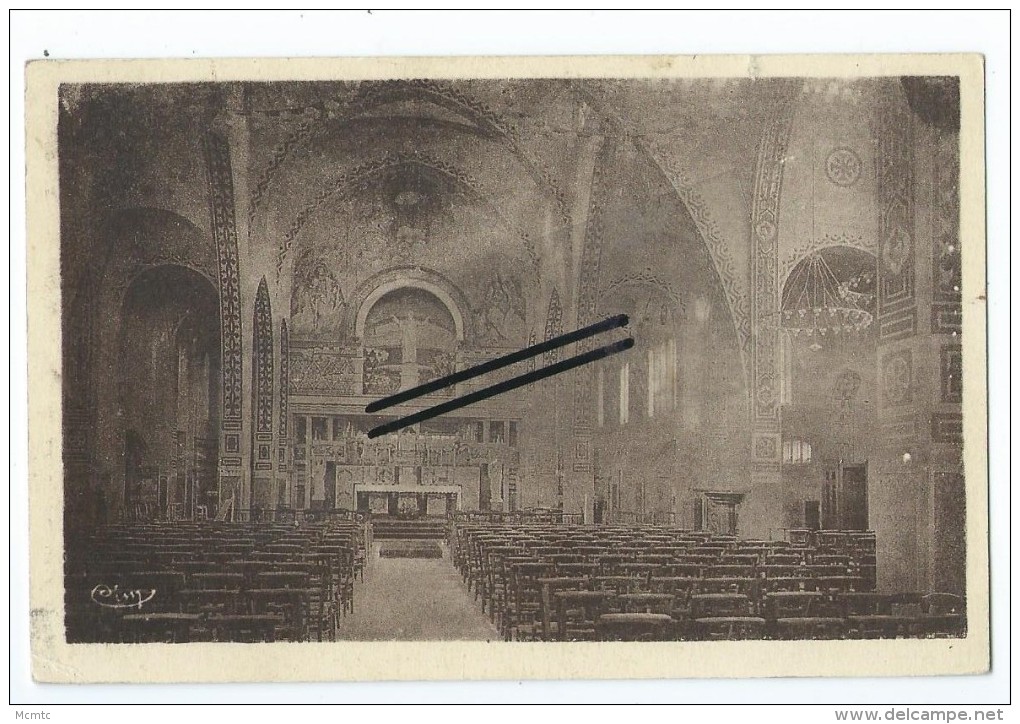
{"points": [[236, 108]]}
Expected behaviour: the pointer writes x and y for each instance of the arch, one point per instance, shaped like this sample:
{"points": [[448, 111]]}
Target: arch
{"points": [[648, 280], [167, 379], [395, 279], [137, 271], [862, 253], [374, 94], [720, 255], [133, 242], [139, 238]]}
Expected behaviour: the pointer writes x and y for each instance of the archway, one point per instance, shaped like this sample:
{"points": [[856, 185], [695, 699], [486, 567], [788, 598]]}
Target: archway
{"points": [[169, 380], [828, 387]]}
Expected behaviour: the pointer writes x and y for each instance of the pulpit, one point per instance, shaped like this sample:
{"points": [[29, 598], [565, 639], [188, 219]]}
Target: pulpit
{"points": [[719, 511]]}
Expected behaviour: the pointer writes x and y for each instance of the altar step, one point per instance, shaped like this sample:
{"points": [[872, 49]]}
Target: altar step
{"points": [[395, 528]]}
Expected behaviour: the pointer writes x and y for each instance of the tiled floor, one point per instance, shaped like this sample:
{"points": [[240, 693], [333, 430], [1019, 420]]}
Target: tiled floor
{"points": [[415, 599]]}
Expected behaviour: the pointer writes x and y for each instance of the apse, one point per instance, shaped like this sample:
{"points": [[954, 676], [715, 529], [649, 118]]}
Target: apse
{"points": [[410, 339], [169, 371]]}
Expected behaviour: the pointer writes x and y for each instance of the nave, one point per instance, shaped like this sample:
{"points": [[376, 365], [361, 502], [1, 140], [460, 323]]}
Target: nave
{"points": [[248, 269]]}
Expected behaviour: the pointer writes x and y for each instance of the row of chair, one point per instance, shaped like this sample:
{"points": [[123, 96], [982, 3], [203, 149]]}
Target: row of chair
{"points": [[544, 582], [214, 581]]}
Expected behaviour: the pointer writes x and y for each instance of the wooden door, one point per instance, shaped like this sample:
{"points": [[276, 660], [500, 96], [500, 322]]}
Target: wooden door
{"points": [[853, 503], [484, 488], [830, 498], [329, 484], [812, 514]]}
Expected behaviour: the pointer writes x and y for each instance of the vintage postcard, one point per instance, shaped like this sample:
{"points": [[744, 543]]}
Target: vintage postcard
{"points": [[496, 368]]}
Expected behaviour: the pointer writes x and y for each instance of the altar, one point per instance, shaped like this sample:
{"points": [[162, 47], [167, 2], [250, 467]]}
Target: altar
{"points": [[408, 500], [435, 468]]}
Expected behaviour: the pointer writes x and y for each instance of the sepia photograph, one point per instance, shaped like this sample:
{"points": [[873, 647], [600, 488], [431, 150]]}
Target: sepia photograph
{"points": [[516, 359]]}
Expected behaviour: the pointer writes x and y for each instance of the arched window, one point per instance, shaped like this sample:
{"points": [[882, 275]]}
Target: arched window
{"points": [[796, 452], [600, 396], [410, 338], [662, 378], [648, 377], [625, 393]]}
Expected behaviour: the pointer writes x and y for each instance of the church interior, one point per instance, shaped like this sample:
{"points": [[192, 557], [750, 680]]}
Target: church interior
{"points": [[245, 267]]}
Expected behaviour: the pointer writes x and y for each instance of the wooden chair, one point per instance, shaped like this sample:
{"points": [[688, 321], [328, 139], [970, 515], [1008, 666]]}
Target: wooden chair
{"points": [[787, 583], [644, 571], [865, 603], [576, 569], [746, 560], [783, 559], [578, 611], [211, 600], [244, 628], [724, 616], [661, 603], [233, 581], [524, 620], [175, 628], [729, 571], [804, 615], [884, 626], [686, 569], [616, 584], [681, 588], [944, 615], [634, 627], [292, 610], [800, 537], [746, 586]]}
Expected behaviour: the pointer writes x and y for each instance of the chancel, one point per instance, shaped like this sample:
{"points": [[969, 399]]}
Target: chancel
{"points": [[246, 267]]}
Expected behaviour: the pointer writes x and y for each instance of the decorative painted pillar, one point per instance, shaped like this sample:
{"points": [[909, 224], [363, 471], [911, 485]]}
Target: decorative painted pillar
{"points": [[283, 482], [578, 466], [220, 180], [306, 477], [262, 496], [761, 513], [916, 486], [947, 571], [894, 476]]}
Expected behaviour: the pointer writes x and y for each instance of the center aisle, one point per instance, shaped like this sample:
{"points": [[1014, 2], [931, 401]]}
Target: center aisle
{"points": [[414, 599]]}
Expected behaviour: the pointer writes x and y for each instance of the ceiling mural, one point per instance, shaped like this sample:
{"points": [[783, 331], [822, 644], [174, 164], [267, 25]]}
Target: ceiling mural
{"points": [[412, 215]]}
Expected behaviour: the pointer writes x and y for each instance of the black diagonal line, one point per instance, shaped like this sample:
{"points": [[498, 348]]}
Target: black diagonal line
{"points": [[620, 320], [501, 387]]}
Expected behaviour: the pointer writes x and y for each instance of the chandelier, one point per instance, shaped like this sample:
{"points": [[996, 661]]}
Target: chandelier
{"points": [[817, 304]]}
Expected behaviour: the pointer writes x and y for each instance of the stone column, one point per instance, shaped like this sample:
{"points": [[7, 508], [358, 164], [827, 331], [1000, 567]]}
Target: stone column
{"points": [[283, 468], [761, 512], [916, 492], [595, 154], [224, 230]]}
